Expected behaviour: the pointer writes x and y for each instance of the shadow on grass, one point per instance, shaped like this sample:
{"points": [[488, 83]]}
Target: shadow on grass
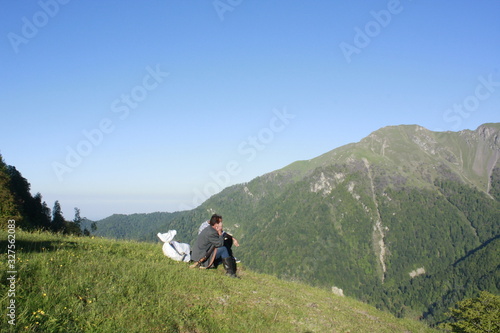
{"points": [[25, 246]]}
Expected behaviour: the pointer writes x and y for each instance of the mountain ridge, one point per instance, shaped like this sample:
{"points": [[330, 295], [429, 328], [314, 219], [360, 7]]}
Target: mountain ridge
{"points": [[364, 216], [375, 146]]}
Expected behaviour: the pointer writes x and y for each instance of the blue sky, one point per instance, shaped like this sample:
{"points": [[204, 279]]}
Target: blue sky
{"points": [[142, 106]]}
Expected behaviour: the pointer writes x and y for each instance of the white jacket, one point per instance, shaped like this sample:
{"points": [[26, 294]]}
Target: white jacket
{"points": [[174, 250]]}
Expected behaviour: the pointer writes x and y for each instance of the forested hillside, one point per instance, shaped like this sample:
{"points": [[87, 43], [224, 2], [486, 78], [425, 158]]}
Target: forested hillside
{"points": [[401, 219], [29, 211]]}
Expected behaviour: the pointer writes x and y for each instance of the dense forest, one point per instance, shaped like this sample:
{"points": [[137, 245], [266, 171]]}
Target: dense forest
{"points": [[465, 241], [452, 234]]}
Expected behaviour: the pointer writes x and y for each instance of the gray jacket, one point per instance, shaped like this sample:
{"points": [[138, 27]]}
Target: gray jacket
{"points": [[204, 242]]}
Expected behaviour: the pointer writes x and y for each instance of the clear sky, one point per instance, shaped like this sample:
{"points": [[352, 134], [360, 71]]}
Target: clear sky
{"points": [[143, 106]]}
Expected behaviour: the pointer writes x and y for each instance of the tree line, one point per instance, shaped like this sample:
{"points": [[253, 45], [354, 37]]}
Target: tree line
{"points": [[31, 212]]}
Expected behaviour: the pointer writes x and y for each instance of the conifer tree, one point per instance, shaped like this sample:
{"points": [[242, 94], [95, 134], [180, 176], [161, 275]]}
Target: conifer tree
{"points": [[74, 227], [20, 188], [34, 213], [58, 221], [42, 212], [77, 220], [8, 207], [475, 315]]}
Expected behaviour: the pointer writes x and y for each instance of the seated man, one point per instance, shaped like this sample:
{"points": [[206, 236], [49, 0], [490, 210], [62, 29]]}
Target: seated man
{"points": [[209, 247], [229, 240]]}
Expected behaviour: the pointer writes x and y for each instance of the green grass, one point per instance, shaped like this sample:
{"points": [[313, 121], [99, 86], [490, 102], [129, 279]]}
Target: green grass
{"points": [[71, 284]]}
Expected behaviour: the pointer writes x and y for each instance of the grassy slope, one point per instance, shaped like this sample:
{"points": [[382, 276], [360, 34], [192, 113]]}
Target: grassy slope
{"points": [[69, 284]]}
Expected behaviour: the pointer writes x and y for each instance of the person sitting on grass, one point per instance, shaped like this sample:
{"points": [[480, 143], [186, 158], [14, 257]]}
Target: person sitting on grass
{"points": [[209, 248], [229, 239]]}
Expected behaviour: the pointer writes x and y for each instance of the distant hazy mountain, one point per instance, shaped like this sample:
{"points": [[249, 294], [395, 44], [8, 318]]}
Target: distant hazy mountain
{"points": [[406, 219]]}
